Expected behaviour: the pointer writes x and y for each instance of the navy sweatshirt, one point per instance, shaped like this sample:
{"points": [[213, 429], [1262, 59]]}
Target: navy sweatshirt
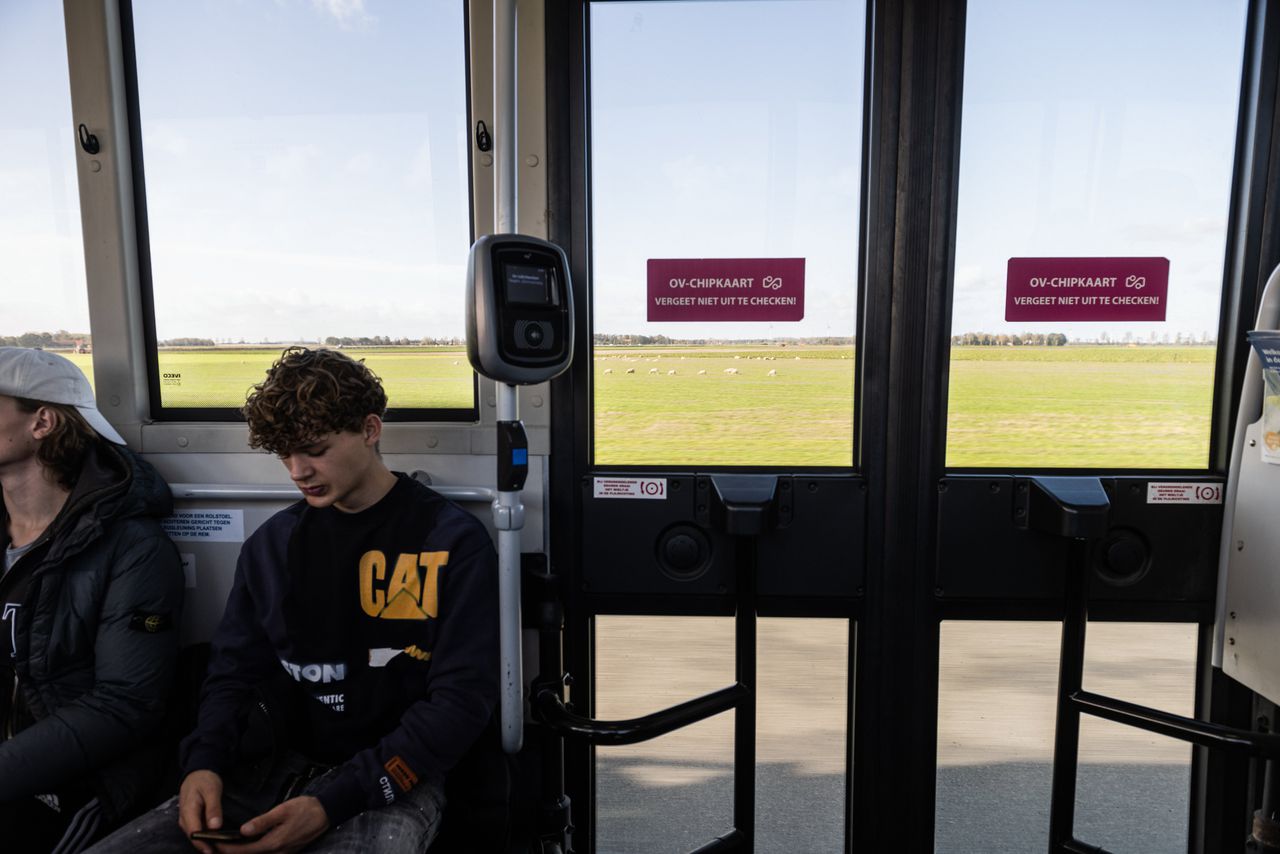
{"points": [[385, 622]]}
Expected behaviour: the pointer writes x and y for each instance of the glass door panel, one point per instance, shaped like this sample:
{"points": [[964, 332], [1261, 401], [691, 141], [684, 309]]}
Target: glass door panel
{"points": [[725, 208], [1091, 132]]}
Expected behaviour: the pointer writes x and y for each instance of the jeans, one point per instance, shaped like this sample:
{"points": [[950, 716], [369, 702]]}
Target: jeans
{"points": [[408, 825]]}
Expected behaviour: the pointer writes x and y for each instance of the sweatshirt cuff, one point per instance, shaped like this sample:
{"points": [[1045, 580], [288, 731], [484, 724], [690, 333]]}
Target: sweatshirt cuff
{"points": [[342, 797], [201, 758]]}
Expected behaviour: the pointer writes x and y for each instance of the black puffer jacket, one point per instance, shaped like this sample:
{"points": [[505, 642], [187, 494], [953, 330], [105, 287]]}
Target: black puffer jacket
{"points": [[96, 639]]}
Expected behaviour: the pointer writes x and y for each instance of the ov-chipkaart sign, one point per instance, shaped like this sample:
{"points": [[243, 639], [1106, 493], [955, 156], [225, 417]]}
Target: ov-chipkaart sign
{"points": [[725, 289], [1080, 289]]}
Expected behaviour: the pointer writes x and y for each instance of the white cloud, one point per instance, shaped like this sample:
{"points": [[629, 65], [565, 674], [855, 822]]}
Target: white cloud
{"points": [[345, 12]]}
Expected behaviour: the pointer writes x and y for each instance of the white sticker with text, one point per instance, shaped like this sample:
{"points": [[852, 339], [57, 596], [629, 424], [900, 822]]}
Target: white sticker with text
{"points": [[1184, 493], [205, 526], [629, 487]]}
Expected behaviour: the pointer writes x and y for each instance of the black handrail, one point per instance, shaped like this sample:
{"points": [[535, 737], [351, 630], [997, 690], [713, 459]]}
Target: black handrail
{"points": [[731, 841], [1263, 744], [550, 710]]}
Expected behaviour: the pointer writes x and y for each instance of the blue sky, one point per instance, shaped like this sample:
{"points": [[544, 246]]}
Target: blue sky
{"points": [[306, 160]]}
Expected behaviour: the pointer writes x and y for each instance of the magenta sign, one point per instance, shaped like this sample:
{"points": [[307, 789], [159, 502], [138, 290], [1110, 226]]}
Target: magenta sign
{"points": [[1076, 289], [720, 289]]}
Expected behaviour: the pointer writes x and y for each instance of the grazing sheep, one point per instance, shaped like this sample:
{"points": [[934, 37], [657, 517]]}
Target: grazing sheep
{"points": [[702, 373], [608, 370], [631, 370], [653, 370], [731, 370], [671, 373], [772, 374]]}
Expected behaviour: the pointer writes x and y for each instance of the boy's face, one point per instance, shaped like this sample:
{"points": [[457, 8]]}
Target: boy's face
{"points": [[340, 470]]}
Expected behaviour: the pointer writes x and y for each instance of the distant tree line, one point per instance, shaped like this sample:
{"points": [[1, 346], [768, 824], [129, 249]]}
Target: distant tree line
{"points": [[60, 340], [385, 341], [1026, 339], [187, 342]]}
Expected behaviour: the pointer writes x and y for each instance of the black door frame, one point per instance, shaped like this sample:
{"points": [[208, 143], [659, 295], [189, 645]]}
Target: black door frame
{"points": [[910, 177]]}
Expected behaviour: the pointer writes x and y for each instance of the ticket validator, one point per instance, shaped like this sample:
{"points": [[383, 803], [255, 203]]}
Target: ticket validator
{"points": [[519, 309], [519, 332]]}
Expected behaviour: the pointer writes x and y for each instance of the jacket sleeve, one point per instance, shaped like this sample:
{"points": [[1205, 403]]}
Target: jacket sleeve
{"points": [[462, 687], [133, 677], [240, 658]]}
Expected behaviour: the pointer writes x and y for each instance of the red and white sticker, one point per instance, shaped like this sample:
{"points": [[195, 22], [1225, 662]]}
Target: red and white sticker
{"points": [[629, 487], [1184, 493]]}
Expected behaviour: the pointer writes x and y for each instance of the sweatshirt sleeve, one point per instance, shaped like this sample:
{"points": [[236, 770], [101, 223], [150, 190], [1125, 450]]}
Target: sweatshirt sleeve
{"points": [[133, 676], [462, 692], [240, 658]]}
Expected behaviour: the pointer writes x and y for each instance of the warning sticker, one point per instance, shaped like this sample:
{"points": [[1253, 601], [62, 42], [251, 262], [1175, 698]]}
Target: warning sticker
{"points": [[1184, 493], [205, 526], [723, 289], [629, 487], [1079, 289]]}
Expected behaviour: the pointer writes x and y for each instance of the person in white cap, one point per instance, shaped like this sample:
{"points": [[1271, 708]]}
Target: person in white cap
{"points": [[90, 594]]}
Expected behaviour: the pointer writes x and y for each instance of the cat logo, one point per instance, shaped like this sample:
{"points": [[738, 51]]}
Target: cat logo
{"points": [[412, 593]]}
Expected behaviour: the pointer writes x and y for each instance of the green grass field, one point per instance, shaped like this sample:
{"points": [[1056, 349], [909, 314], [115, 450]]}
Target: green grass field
{"points": [[1131, 407], [1075, 406], [415, 377]]}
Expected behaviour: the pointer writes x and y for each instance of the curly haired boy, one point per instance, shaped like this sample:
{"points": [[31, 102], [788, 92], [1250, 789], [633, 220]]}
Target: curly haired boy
{"points": [[361, 630]]}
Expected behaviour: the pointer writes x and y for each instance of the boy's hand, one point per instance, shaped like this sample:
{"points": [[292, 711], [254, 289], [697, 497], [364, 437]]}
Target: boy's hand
{"points": [[290, 826], [200, 806]]}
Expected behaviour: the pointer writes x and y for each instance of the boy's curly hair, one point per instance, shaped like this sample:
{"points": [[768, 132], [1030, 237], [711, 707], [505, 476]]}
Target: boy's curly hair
{"points": [[308, 394]]}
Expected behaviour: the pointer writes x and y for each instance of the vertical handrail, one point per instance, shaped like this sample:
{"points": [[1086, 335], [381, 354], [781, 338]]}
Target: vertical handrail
{"points": [[508, 512], [504, 106], [1066, 739], [508, 517], [746, 555]]}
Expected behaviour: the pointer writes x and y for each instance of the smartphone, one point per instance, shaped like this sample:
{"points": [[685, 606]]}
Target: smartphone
{"points": [[229, 837]]}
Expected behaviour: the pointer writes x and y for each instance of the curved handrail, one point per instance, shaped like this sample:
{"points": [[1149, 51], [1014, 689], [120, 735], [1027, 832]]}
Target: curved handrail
{"points": [[1264, 744], [550, 709]]}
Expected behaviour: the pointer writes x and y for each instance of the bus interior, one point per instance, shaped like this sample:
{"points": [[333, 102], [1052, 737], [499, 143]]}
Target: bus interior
{"points": [[903, 485]]}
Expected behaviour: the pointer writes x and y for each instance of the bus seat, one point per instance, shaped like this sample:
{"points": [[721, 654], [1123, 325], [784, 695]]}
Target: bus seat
{"points": [[477, 811]]}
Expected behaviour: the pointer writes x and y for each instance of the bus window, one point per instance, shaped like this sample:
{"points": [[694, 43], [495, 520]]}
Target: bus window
{"points": [[1151, 664], [306, 182], [644, 664], [802, 720], [647, 663], [42, 276], [725, 137], [997, 692], [1122, 150]]}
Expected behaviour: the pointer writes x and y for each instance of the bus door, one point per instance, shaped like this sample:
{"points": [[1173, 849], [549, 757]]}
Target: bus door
{"points": [[855, 277]]}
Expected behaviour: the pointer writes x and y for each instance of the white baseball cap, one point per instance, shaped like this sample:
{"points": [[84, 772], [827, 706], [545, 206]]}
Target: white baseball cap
{"points": [[49, 378]]}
